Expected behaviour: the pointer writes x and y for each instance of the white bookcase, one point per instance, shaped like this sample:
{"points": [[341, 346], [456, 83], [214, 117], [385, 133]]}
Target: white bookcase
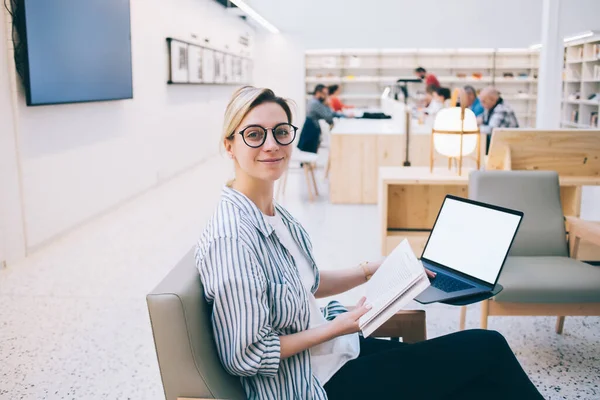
{"points": [[581, 84], [363, 74]]}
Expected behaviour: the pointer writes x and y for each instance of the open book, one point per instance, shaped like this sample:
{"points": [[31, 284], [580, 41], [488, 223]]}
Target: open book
{"points": [[398, 280]]}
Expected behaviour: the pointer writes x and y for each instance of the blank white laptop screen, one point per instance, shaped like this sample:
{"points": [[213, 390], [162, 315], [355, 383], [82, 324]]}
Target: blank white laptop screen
{"points": [[471, 239]]}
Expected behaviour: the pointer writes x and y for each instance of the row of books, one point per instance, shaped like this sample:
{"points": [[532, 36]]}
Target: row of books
{"points": [[593, 118]]}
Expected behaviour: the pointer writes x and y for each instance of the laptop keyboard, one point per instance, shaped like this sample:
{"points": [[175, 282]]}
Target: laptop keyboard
{"points": [[448, 284]]}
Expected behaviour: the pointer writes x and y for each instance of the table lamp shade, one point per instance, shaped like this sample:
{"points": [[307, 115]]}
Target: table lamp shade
{"points": [[449, 145], [448, 120], [448, 127]]}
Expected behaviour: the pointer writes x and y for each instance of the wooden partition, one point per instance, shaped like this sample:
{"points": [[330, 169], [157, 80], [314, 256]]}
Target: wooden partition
{"points": [[410, 199], [570, 152]]}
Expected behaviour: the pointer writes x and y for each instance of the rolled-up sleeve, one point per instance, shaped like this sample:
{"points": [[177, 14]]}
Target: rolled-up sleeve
{"points": [[237, 287]]}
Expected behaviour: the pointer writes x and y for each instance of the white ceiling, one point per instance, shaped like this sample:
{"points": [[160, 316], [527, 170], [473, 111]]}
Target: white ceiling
{"points": [[410, 23]]}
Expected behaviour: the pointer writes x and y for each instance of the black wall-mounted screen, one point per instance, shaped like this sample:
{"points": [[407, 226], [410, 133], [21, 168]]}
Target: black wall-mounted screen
{"points": [[77, 50]]}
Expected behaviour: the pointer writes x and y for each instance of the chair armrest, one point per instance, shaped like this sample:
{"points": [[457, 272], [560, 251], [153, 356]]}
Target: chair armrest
{"points": [[410, 325], [580, 229]]}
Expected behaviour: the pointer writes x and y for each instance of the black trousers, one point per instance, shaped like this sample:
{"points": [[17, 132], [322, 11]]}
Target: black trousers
{"points": [[472, 364]]}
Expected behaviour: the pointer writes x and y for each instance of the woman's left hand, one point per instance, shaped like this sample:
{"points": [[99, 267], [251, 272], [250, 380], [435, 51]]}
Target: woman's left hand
{"points": [[373, 266]]}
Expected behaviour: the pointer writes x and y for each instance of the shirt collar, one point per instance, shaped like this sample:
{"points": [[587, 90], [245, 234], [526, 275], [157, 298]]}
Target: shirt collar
{"points": [[252, 213]]}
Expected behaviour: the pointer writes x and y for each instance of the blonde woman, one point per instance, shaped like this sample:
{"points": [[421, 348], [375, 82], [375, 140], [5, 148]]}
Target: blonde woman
{"points": [[256, 264]]}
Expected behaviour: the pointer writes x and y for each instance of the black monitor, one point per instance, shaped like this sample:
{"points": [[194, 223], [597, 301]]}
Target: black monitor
{"points": [[403, 85], [76, 50]]}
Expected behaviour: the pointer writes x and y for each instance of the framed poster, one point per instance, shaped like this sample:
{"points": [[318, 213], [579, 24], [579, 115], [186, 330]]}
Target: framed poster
{"points": [[237, 69], [219, 67], [195, 65], [228, 68], [178, 69], [208, 65], [244, 71]]}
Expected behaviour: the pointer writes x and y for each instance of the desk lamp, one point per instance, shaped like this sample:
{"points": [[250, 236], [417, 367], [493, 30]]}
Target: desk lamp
{"points": [[455, 134], [402, 84]]}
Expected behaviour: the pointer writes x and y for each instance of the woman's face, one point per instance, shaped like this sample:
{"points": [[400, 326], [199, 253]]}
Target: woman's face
{"points": [[269, 161]]}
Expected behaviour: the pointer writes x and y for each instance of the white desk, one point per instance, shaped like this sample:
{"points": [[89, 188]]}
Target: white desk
{"points": [[347, 126]]}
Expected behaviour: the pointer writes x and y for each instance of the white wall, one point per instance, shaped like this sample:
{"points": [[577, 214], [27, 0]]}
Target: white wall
{"points": [[12, 239], [280, 66], [80, 160], [431, 23]]}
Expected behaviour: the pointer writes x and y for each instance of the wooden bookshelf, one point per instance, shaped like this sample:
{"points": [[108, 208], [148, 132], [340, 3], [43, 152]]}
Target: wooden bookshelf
{"points": [[581, 84], [364, 73]]}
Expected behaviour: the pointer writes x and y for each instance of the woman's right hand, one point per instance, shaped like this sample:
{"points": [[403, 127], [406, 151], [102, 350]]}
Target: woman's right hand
{"points": [[347, 322]]}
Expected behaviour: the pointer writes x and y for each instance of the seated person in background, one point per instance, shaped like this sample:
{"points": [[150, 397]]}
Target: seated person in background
{"points": [[439, 99], [430, 79], [334, 99], [496, 114], [471, 101], [310, 136], [317, 106], [428, 96]]}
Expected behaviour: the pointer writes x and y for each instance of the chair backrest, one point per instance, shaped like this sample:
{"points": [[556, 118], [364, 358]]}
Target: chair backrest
{"points": [[537, 195], [187, 356], [325, 133], [309, 136]]}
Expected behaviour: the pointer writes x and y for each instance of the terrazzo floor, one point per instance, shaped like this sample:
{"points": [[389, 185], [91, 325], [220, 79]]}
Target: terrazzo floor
{"points": [[73, 317]]}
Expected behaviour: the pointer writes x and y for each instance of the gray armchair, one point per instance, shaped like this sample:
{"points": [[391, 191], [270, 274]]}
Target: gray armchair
{"points": [[187, 357], [539, 277]]}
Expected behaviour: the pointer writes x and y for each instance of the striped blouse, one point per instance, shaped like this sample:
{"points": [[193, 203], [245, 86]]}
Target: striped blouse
{"points": [[256, 296]]}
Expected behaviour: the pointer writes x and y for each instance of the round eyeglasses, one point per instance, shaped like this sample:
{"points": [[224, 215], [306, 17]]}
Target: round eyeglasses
{"points": [[255, 135]]}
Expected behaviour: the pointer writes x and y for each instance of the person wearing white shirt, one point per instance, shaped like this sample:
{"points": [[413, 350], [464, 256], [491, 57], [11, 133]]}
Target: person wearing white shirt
{"points": [[262, 283]]}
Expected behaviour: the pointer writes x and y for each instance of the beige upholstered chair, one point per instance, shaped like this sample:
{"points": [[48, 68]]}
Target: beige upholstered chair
{"points": [[539, 277], [189, 365]]}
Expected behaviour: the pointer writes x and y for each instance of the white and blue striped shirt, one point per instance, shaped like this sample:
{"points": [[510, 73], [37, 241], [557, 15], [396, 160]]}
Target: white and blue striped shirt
{"points": [[257, 295]]}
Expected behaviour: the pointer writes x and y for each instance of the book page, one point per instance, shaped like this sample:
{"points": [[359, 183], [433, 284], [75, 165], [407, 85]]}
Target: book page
{"points": [[419, 286], [399, 272]]}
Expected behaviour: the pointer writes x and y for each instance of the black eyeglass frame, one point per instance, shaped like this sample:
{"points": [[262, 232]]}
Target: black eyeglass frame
{"points": [[294, 129]]}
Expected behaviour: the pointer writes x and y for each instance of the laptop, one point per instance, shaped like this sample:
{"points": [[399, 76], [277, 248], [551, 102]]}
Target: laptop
{"points": [[467, 248]]}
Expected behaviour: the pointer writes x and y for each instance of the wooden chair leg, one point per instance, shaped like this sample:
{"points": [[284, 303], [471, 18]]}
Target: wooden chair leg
{"points": [[485, 309], [463, 318], [308, 183], [560, 323], [314, 180]]}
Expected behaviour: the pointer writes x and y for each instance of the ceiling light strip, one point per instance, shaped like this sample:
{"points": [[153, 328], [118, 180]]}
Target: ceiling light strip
{"points": [[255, 16]]}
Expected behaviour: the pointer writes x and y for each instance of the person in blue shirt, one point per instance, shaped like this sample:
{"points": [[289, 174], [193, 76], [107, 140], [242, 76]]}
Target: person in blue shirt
{"points": [[472, 101]]}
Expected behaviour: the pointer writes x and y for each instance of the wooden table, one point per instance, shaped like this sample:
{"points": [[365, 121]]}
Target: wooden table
{"points": [[410, 199], [360, 146]]}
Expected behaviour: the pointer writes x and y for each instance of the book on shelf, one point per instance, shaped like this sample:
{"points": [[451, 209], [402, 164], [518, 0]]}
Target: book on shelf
{"points": [[398, 280], [596, 51], [594, 120], [575, 116]]}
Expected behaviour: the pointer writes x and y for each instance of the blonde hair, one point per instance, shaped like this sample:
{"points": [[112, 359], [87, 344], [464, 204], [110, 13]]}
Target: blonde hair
{"points": [[244, 100]]}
